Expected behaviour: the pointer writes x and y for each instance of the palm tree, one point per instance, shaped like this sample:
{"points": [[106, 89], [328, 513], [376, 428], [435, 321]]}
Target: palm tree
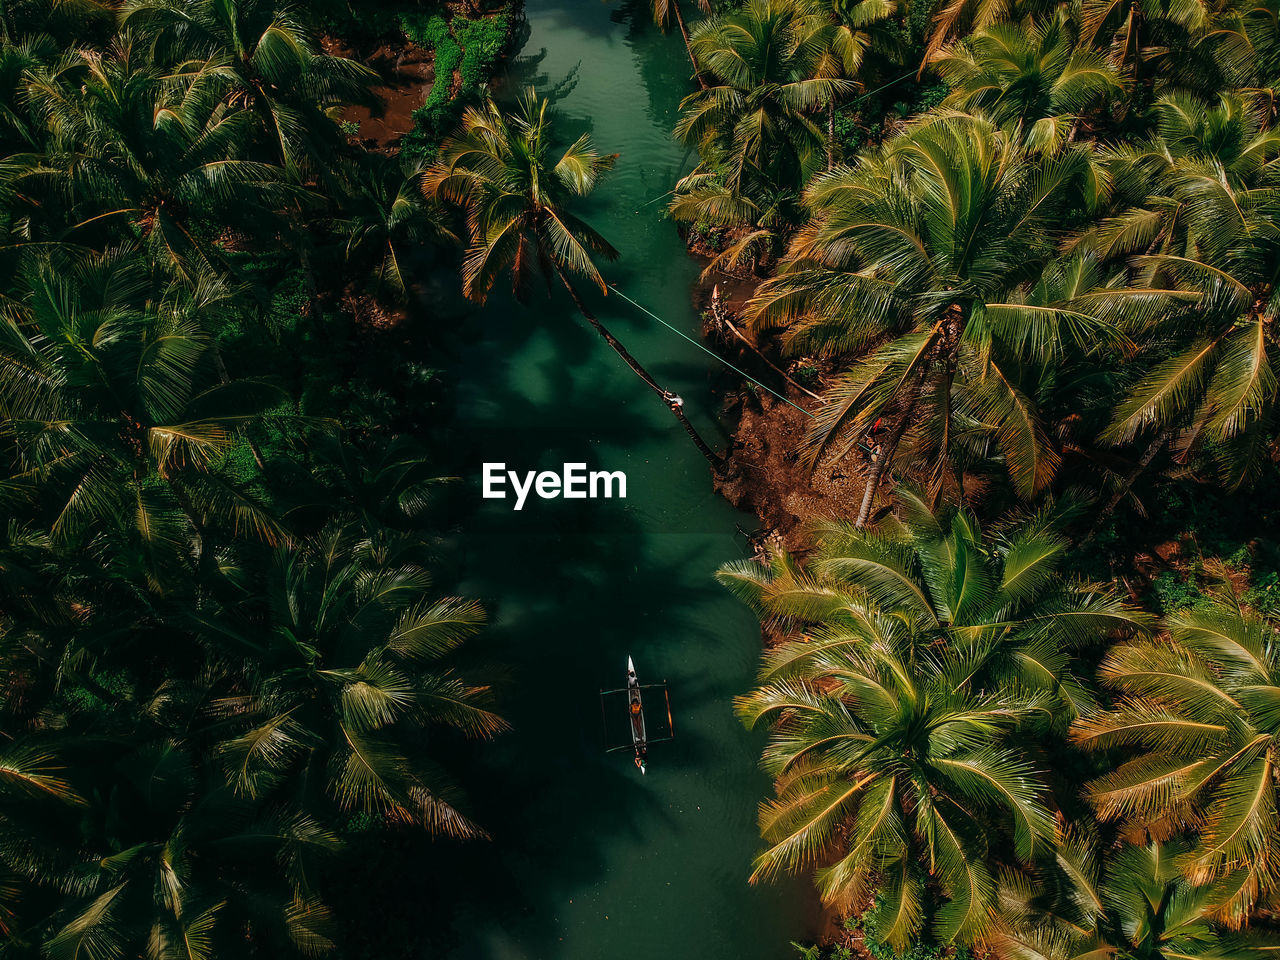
{"points": [[935, 258], [1196, 46], [772, 63], [144, 855], [769, 217], [913, 655], [1030, 78], [158, 157], [1197, 722], [1162, 186], [16, 60], [1133, 902], [349, 683], [117, 416], [500, 170], [277, 71], [664, 11], [849, 31], [1195, 203], [383, 217], [758, 201], [951, 20]]}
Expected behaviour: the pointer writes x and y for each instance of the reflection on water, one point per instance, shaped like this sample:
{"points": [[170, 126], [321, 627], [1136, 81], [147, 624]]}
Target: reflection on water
{"points": [[589, 860]]}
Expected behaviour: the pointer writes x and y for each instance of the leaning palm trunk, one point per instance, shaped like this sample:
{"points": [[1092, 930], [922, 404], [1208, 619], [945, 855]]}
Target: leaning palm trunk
{"points": [[721, 316], [1143, 462], [666, 395], [886, 454], [684, 32]]}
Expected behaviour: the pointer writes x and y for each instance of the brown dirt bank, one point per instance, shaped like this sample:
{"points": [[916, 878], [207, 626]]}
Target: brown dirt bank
{"points": [[766, 475], [405, 74]]}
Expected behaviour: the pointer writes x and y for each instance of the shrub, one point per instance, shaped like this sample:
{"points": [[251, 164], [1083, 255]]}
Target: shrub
{"points": [[482, 43], [472, 48]]}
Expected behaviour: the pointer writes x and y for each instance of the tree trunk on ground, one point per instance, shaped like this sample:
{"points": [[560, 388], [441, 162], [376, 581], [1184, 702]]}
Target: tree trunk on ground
{"points": [[887, 450], [667, 397], [1143, 462], [718, 312], [697, 74]]}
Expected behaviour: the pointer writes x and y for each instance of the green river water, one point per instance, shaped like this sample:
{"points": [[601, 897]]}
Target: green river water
{"points": [[588, 859]]}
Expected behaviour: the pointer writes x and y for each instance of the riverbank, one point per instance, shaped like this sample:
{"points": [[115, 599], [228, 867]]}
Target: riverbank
{"points": [[766, 476], [429, 65], [575, 587]]}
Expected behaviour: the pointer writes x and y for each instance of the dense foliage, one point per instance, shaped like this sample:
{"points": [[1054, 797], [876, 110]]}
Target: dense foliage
{"points": [[222, 656], [1045, 275]]}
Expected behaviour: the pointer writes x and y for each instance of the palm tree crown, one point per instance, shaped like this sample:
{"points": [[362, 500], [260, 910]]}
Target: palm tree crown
{"points": [[1200, 710], [770, 64], [920, 652], [1031, 78], [502, 170], [935, 257]]}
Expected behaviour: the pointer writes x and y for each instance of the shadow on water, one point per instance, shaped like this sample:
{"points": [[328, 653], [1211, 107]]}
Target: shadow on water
{"points": [[586, 858]]}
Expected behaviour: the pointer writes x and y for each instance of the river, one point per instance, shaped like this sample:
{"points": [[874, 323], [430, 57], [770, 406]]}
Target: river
{"points": [[588, 859]]}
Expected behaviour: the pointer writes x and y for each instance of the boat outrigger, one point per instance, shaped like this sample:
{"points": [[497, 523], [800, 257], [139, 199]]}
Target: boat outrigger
{"points": [[640, 738]]}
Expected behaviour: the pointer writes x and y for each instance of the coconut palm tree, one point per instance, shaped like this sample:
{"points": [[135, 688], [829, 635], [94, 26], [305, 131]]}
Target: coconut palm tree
{"points": [[1198, 730], [277, 71], [16, 60], [664, 11], [117, 416], [1031, 78], [349, 683], [913, 654], [885, 767], [935, 259], [1198, 201], [1003, 601], [771, 64], [1169, 45], [849, 32], [763, 223], [383, 217], [1084, 902], [1163, 186], [502, 171], [758, 203], [952, 20], [115, 814], [157, 157]]}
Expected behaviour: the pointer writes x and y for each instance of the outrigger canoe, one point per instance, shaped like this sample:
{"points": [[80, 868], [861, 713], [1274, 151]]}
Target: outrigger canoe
{"points": [[641, 735], [635, 711]]}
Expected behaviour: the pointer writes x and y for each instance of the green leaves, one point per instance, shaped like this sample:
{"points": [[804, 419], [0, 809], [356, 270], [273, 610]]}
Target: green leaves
{"points": [[919, 660], [27, 771], [769, 66], [1202, 709], [937, 252], [1031, 78], [500, 170]]}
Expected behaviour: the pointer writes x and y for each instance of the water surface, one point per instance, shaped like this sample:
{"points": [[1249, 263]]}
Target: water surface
{"points": [[589, 860]]}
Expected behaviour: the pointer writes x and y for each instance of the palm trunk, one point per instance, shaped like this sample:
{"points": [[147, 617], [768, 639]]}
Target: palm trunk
{"points": [[1144, 461], [667, 396], [718, 312], [944, 452], [697, 74], [887, 450]]}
